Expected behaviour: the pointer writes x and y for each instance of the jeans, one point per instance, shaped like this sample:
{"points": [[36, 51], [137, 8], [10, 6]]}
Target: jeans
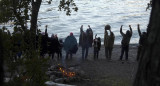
{"points": [[85, 52], [108, 52], [67, 53], [124, 49], [96, 53]]}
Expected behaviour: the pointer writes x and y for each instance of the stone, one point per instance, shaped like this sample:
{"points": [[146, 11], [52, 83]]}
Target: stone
{"points": [[52, 77], [59, 80]]}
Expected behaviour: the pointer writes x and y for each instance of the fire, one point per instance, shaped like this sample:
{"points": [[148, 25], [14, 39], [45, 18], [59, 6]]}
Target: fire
{"points": [[67, 73]]}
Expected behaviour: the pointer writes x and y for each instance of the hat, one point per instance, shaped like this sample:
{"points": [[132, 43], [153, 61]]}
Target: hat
{"points": [[43, 33], [71, 34]]}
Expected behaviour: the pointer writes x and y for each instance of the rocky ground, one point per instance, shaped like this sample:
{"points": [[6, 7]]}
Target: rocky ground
{"points": [[102, 72]]}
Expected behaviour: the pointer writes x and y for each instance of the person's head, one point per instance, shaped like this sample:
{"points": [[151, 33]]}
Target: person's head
{"points": [[144, 34], [127, 32], [81, 29], [52, 36], [43, 33], [61, 41], [107, 27], [55, 35], [99, 39], [71, 34]]}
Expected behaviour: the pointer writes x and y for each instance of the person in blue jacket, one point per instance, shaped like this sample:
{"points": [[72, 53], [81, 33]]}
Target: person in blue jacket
{"points": [[70, 45]]}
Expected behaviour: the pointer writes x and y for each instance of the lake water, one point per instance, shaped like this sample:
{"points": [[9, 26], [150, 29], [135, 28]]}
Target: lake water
{"points": [[96, 13]]}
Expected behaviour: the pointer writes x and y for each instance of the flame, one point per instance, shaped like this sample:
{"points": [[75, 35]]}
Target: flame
{"points": [[67, 73]]}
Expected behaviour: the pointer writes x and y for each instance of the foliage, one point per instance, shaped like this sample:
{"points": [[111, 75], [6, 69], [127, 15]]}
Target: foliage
{"points": [[30, 68], [66, 5], [16, 11]]}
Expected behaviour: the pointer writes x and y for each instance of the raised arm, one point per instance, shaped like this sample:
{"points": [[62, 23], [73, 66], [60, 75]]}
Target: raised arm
{"points": [[46, 30], [139, 32], [121, 30], [130, 29]]}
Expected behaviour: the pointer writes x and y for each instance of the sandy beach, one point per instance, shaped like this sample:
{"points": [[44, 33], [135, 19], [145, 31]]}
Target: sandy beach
{"points": [[102, 72]]}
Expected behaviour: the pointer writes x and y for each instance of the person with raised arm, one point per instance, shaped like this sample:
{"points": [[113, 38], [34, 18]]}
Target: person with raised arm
{"points": [[125, 42], [142, 42]]}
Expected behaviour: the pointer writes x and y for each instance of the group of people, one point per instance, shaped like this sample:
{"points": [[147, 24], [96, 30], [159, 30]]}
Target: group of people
{"points": [[52, 45], [86, 41]]}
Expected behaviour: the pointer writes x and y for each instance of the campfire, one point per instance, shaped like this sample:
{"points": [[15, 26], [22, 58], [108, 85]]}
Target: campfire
{"points": [[67, 73], [61, 74]]}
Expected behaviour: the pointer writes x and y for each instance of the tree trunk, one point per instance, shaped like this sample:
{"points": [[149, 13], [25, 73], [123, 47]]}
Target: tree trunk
{"points": [[1, 59], [35, 9], [148, 73]]}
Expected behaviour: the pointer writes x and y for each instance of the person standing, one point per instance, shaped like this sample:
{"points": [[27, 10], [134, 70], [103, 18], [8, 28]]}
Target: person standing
{"points": [[97, 46], [70, 45], [110, 44], [125, 42], [106, 40], [89, 40], [83, 42], [142, 42], [54, 46]]}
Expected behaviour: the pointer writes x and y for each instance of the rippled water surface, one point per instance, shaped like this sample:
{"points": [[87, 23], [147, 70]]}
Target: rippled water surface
{"points": [[96, 13]]}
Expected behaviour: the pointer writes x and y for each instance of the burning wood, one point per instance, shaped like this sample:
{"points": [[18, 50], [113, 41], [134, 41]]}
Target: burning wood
{"points": [[61, 74], [66, 72]]}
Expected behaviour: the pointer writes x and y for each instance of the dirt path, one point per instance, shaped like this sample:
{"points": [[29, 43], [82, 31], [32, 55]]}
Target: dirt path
{"points": [[102, 72]]}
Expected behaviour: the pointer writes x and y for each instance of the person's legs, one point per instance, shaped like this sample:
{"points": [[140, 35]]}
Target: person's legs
{"points": [[67, 55], [70, 55], [97, 54], [126, 51], [106, 52], [87, 49], [110, 52], [94, 54], [83, 50], [138, 52], [60, 54], [53, 55], [122, 52]]}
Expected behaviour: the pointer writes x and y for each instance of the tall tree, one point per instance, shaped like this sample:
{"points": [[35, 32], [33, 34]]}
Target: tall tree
{"points": [[148, 73], [19, 11]]}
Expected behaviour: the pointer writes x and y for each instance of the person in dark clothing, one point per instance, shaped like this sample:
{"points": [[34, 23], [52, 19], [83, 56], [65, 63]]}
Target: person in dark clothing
{"points": [[70, 45], [54, 46], [44, 42], [17, 43], [44, 39], [84, 41], [89, 34], [142, 42], [97, 46], [108, 42], [60, 48], [125, 42]]}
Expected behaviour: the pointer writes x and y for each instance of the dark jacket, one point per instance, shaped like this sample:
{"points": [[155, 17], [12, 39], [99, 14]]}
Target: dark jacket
{"points": [[70, 44], [54, 45], [83, 39], [97, 44], [143, 37], [44, 41], [111, 40], [89, 34], [126, 37]]}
